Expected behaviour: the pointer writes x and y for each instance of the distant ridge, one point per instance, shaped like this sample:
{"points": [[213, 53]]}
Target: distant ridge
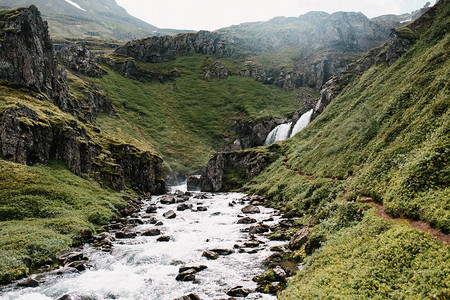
{"points": [[80, 19]]}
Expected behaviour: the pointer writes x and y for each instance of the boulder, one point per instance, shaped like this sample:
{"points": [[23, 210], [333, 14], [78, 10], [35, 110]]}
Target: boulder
{"points": [[152, 220], [196, 268], [163, 238], [70, 255], [186, 275], [152, 232], [216, 70], [193, 183], [80, 59], [125, 235], [170, 214], [188, 297], [238, 291], [183, 207], [246, 220], [299, 238], [201, 208], [151, 209], [222, 251], [250, 209], [167, 200], [210, 254], [258, 229], [28, 282]]}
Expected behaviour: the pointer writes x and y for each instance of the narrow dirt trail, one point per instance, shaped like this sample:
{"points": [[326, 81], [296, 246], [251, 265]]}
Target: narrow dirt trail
{"points": [[381, 211], [420, 225]]}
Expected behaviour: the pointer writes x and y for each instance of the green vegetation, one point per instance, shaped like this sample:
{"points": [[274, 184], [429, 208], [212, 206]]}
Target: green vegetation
{"points": [[375, 259], [387, 137], [188, 119], [45, 209]]}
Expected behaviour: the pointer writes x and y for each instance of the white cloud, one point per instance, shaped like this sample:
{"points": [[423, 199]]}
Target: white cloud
{"points": [[215, 14]]}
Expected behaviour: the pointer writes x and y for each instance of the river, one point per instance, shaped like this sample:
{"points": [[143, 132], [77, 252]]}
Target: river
{"points": [[143, 268]]}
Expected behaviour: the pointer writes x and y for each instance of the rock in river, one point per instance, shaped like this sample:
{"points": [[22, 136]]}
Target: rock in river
{"points": [[170, 214], [152, 232], [250, 209], [238, 291]]}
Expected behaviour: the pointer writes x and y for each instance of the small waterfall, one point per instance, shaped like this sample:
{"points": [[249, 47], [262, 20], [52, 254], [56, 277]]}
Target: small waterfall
{"points": [[304, 120], [279, 133], [283, 131]]}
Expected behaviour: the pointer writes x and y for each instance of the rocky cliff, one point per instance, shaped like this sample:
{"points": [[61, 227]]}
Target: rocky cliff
{"points": [[27, 57], [166, 48], [229, 170], [129, 67], [34, 131], [312, 74], [81, 60], [340, 31]]}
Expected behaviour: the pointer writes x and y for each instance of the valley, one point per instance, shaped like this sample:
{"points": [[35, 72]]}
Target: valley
{"points": [[333, 126]]}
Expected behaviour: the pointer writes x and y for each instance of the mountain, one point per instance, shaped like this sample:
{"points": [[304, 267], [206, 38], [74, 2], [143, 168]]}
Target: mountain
{"points": [[87, 134], [102, 19], [87, 137], [369, 178]]}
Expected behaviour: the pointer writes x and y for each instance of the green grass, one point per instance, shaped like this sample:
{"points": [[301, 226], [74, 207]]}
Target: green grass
{"points": [[386, 136], [45, 209], [375, 259], [189, 119]]}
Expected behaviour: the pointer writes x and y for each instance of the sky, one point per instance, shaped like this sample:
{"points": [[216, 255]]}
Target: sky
{"points": [[215, 14]]}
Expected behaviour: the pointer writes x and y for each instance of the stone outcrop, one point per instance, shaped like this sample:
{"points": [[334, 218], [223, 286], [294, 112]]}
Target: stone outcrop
{"points": [[80, 59], [397, 44], [229, 170], [252, 134], [129, 68], [254, 70], [27, 57], [37, 136], [313, 75], [165, 48], [193, 183], [28, 139], [216, 70]]}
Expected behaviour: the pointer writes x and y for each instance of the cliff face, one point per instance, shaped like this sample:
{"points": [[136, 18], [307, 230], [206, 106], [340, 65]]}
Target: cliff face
{"points": [[229, 170], [165, 48], [33, 131], [340, 31], [81, 60], [28, 138], [399, 42], [27, 57], [309, 74]]}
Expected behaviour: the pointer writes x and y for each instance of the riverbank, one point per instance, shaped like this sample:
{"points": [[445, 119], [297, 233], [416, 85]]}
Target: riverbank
{"points": [[169, 234]]}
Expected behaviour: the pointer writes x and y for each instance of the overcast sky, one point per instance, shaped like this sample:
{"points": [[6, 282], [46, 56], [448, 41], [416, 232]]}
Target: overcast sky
{"points": [[215, 14]]}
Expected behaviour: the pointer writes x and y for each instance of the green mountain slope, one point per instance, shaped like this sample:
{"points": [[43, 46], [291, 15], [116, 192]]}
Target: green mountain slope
{"points": [[385, 137], [189, 118]]}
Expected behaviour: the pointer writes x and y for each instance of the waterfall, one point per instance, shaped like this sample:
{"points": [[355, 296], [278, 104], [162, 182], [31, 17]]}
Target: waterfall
{"points": [[279, 133], [283, 131], [302, 122]]}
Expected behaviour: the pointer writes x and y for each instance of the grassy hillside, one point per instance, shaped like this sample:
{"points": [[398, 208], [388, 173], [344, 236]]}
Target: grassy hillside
{"points": [[188, 119], [387, 137], [44, 210]]}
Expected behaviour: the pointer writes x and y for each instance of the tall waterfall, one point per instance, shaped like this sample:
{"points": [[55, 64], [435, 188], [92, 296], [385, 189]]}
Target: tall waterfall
{"points": [[302, 122], [283, 131], [279, 133]]}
